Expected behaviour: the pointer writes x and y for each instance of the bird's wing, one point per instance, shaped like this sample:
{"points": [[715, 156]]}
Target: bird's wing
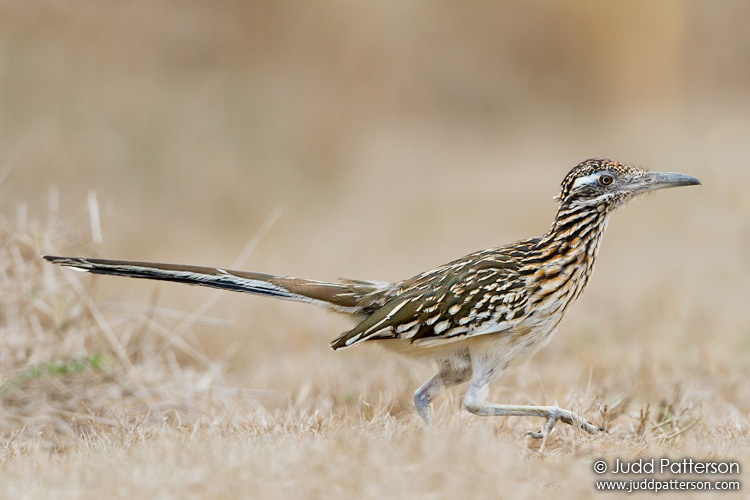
{"points": [[480, 294]]}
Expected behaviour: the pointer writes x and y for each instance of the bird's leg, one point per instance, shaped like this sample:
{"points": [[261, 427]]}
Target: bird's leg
{"points": [[476, 402], [447, 376]]}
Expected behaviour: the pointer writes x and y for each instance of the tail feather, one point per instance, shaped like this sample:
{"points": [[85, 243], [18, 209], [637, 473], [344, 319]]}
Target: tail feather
{"points": [[345, 297]]}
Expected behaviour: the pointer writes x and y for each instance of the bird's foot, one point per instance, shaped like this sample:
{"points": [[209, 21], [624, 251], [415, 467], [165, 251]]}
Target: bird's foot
{"points": [[566, 416]]}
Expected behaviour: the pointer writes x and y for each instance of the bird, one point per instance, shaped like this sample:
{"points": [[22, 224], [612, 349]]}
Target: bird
{"points": [[472, 318]]}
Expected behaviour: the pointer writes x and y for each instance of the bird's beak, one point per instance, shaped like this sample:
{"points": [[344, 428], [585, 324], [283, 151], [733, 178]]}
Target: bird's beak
{"points": [[652, 181]]}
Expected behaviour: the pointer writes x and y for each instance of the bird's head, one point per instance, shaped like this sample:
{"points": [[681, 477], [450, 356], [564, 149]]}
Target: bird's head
{"points": [[604, 183]]}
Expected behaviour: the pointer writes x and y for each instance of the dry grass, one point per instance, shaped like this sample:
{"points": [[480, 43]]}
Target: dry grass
{"points": [[100, 400], [394, 136]]}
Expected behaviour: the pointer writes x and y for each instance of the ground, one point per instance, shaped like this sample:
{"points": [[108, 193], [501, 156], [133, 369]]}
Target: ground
{"points": [[120, 400]]}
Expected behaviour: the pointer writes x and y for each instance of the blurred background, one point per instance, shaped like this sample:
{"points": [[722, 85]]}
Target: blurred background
{"points": [[393, 136]]}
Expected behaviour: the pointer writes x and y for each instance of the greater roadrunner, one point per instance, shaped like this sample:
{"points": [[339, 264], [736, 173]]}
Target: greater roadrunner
{"points": [[472, 317]]}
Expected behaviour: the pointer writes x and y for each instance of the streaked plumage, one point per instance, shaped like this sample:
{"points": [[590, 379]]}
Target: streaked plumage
{"points": [[474, 316]]}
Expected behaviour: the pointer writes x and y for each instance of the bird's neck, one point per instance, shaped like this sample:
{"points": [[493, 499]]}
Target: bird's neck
{"points": [[577, 226], [562, 260]]}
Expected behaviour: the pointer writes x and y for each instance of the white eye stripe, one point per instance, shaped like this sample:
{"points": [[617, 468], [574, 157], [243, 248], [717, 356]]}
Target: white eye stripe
{"points": [[589, 179]]}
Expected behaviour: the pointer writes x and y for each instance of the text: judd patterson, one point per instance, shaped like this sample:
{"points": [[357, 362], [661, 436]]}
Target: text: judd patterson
{"points": [[669, 466]]}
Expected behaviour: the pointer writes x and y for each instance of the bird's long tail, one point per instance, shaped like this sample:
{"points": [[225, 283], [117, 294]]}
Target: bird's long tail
{"points": [[350, 297]]}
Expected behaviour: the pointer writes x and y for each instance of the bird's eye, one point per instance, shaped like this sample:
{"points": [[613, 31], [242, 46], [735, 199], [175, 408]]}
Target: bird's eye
{"points": [[606, 179]]}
